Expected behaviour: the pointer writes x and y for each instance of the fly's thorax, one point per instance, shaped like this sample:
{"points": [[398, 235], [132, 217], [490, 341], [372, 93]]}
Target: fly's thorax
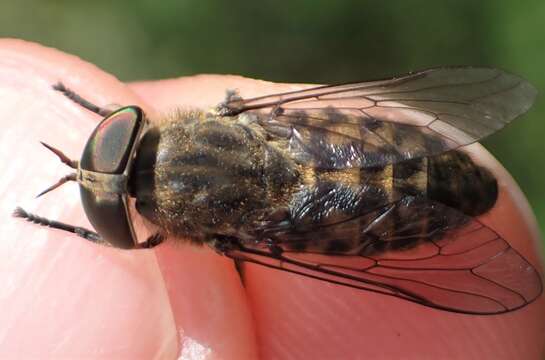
{"points": [[199, 175]]}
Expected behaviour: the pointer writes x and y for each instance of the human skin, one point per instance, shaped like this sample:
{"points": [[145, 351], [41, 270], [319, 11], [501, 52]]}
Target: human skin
{"points": [[65, 297]]}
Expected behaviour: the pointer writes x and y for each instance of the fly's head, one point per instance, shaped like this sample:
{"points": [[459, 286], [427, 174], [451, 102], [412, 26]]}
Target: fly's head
{"points": [[103, 171]]}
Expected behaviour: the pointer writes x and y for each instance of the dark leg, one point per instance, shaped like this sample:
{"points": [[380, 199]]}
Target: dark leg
{"points": [[82, 232], [153, 241], [81, 101], [223, 243]]}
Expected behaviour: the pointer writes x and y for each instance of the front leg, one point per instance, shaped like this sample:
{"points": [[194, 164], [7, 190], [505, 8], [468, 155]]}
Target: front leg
{"points": [[80, 100], [80, 231], [152, 241], [224, 244]]}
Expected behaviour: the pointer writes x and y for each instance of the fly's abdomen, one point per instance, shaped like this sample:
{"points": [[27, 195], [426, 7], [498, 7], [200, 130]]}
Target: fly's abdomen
{"points": [[456, 181], [389, 208], [429, 197]]}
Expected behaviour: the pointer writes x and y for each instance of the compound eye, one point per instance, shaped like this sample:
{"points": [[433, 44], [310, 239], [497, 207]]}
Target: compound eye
{"points": [[109, 216], [110, 144], [108, 151]]}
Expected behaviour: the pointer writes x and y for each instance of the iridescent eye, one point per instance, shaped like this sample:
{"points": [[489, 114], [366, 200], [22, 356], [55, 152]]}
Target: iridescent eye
{"points": [[107, 152], [110, 144]]}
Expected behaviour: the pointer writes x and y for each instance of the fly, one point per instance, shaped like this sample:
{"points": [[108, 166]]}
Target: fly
{"points": [[363, 184]]}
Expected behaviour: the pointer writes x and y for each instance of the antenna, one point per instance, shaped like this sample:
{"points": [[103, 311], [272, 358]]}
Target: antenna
{"points": [[74, 164], [65, 159], [64, 179]]}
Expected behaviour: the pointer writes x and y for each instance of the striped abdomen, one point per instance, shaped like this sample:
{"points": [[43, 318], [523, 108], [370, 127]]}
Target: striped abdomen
{"points": [[394, 207]]}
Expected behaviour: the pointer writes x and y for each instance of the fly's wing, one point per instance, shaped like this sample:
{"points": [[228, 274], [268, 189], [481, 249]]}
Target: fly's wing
{"points": [[409, 247], [375, 123], [437, 257]]}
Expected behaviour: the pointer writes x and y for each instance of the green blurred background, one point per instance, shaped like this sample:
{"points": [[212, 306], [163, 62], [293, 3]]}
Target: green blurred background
{"points": [[322, 41]]}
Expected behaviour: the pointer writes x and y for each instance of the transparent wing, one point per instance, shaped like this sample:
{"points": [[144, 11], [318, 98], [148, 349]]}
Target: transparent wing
{"points": [[375, 123], [438, 258]]}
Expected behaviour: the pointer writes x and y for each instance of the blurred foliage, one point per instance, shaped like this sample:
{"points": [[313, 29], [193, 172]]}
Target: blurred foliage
{"points": [[307, 41]]}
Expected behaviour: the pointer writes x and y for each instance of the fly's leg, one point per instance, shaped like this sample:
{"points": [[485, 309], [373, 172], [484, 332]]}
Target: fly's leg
{"points": [[275, 250], [152, 241], [223, 243], [87, 234], [81, 101], [80, 231]]}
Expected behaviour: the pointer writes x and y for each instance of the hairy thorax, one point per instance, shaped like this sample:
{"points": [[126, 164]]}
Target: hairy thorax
{"points": [[197, 176]]}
